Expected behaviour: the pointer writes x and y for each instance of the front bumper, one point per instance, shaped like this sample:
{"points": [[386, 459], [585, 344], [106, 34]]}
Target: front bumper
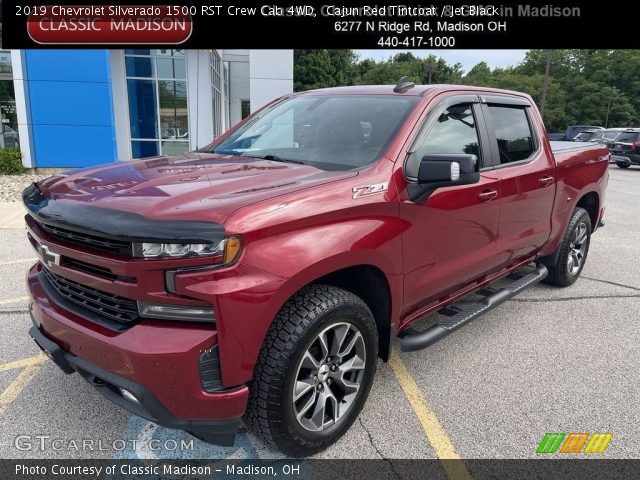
{"points": [[220, 432], [157, 362]]}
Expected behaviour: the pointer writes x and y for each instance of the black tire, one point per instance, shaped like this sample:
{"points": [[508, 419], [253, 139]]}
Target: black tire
{"points": [[623, 165], [564, 273], [271, 408]]}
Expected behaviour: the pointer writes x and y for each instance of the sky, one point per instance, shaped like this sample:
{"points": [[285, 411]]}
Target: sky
{"points": [[468, 58]]}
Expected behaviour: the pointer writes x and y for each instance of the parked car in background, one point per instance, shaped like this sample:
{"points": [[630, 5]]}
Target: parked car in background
{"points": [[588, 136], [625, 150], [602, 136], [572, 131], [609, 135]]}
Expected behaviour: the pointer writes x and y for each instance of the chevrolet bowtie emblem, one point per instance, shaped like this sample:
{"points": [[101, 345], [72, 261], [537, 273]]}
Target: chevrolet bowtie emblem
{"points": [[47, 257]]}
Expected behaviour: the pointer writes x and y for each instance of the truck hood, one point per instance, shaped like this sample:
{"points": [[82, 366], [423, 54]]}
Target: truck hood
{"points": [[191, 186]]}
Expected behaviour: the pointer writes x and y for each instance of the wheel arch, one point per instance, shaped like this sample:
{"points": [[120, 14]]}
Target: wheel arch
{"points": [[358, 274], [371, 285], [590, 201]]}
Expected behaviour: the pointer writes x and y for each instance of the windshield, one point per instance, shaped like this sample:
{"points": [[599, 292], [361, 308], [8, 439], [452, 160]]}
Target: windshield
{"points": [[329, 132], [627, 137]]}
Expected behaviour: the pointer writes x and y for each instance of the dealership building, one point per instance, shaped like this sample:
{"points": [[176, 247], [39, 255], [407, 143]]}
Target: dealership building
{"points": [[74, 108]]}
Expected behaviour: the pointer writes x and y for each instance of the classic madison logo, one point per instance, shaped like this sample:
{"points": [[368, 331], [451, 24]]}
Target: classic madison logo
{"points": [[574, 443]]}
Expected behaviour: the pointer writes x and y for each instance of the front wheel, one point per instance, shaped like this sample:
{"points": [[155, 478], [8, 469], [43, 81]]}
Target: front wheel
{"points": [[623, 165], [573, 250], [314, 371]]}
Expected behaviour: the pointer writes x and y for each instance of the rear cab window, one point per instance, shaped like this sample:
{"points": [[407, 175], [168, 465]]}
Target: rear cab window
{"points": [[513, 131]]}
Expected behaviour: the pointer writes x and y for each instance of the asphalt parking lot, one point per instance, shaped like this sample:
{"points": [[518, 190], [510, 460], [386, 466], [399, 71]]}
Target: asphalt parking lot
{"points": [[551, 360]]}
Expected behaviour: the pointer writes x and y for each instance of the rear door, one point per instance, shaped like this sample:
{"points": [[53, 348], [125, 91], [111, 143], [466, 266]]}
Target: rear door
{"points": [[527, 177]]}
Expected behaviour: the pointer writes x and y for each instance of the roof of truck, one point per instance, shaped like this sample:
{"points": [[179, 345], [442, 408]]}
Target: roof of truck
{"points": [[416, 91], [373, 90]]}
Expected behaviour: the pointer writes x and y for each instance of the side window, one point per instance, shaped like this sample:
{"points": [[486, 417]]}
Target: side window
{"points": [[453, 132], [513, 132]]}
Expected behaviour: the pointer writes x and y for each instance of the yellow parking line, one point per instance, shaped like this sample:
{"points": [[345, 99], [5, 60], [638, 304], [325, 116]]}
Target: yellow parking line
{"points": [[14, 300], [24, 362], [432, 428], [20, 260], [29, 368], [13, 390]]}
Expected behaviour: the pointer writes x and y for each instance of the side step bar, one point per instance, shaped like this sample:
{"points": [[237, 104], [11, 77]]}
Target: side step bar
{"points": [[460, 316]]}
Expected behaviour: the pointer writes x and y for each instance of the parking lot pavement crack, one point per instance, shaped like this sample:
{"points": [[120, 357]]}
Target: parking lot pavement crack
{"points": [[569, 299], [12, 312], [375, 447], [611, 283]]}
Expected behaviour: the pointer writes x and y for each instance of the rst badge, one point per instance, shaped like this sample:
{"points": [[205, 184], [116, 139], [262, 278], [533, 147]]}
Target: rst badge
{"points": [[47, 257], [366, 190]]}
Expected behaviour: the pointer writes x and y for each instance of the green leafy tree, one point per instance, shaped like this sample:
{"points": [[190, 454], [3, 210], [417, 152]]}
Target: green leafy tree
{"points": [[323, 68], [583, 84]]}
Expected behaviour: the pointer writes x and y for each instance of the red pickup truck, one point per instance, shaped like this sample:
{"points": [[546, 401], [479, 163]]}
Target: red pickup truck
{"points": [[260, 278]]}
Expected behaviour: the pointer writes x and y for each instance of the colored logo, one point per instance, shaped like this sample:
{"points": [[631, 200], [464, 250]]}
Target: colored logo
{"points": [[574, 442]]}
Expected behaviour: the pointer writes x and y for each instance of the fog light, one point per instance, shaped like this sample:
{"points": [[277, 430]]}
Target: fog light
{"points": [[126, 394]]}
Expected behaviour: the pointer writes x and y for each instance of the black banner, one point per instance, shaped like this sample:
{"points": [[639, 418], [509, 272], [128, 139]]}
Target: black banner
{"points": [[342, 24], [319, 469]]}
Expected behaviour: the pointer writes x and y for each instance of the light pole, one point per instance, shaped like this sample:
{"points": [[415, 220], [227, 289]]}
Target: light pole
{"points": [[545, 84], [430, 68], [606, 121]]}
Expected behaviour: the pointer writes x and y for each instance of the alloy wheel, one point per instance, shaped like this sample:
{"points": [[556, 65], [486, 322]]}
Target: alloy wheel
{"points": [[577, 248], [329, 376]]}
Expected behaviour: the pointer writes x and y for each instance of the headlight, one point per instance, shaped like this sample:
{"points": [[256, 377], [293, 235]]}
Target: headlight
{"points": [[165, 311], [228, 249]]}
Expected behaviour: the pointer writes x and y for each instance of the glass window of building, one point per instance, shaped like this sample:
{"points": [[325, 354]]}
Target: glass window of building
{"points": [[216, 92], [8, 118], [157, 91], [245, 108], [227, 97]]}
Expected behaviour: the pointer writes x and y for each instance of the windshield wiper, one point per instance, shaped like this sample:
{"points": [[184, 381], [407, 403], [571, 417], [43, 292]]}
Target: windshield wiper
{"points": [[275, 158]]}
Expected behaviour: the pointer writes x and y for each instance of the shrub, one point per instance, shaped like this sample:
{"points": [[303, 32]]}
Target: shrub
{"points": [[11, 162]]}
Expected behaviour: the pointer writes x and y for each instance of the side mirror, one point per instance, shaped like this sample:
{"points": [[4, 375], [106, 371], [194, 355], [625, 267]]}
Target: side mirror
{"points": [[445, 170]]}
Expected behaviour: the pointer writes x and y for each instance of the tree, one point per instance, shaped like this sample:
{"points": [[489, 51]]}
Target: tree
{"points": [[323, 68], [581, 83]]}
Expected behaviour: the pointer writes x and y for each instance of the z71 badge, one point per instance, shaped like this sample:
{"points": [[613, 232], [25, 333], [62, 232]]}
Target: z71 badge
{"points": [[366, 190]]}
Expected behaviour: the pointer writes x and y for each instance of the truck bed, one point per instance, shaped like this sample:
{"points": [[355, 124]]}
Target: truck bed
{"points": [[564, 146], [564, 151]]}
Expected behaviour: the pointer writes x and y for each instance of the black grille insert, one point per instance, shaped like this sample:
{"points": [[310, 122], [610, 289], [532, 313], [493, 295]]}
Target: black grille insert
{"points": [[116, 247], [113, 307], [96, 270]]}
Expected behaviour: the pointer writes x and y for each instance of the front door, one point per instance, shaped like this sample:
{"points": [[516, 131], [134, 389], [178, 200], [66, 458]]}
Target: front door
{"points": [[450, 238]]}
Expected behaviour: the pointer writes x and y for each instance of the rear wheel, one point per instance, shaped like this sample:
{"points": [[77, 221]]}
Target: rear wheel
{"points": [[573, 250], [314, 371], [623, 165]]}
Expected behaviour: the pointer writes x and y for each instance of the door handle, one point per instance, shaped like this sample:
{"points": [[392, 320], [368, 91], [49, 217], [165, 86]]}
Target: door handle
{"points": [[488, 195], [545, 181]]}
